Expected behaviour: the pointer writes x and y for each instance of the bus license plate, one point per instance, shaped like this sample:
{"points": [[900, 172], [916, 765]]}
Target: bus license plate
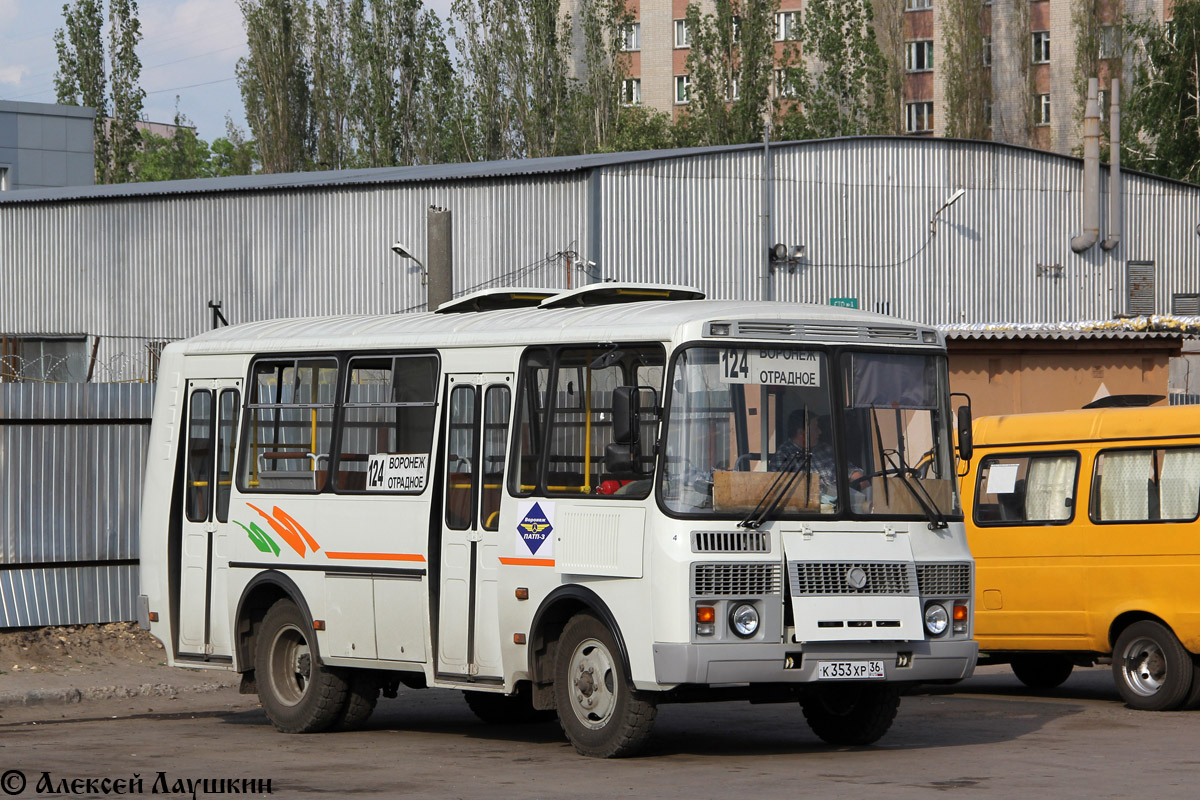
{"points": [[849, 670]]}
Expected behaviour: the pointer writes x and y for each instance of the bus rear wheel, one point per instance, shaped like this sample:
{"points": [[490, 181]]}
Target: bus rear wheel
{"points": [[1042, 671], [298, 692], [600, 712], [1152, 669], [362, 692], [851, 714]]}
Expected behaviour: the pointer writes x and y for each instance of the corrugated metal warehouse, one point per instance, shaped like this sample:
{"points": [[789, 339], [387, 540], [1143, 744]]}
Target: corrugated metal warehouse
{"points": [[98, 278]]}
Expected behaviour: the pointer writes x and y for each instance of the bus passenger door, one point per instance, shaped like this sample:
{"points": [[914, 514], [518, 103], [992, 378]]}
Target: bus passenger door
{"points": [[208, 480], [474, 450]]}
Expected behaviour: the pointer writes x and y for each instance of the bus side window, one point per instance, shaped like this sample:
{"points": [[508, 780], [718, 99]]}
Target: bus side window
{"points": [[227, 416], [1159, 485], [462, 465], [529, 427], [289, 425], [495, 443]]}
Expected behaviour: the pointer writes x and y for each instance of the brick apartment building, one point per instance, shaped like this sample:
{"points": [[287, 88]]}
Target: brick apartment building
{"points": [[1030, 51]]}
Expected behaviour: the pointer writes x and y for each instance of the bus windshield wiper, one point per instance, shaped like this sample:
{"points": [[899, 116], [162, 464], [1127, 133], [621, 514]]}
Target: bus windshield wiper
{"points": [[937, 520], [787, 477]]}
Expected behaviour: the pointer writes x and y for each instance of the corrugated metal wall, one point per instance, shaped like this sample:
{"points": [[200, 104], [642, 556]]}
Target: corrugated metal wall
{"points": [[71, 460]]}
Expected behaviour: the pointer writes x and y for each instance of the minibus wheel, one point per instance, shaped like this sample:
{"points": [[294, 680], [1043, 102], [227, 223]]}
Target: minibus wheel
{"points": [[506, 709], [298, 692], [600, 712], [1152, 669], [851, 714], [1042, 671]]}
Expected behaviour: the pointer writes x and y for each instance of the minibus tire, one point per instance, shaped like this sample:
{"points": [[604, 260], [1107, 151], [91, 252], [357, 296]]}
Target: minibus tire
{"points": [[621, 717], [298, 692], [1192, 701], [1043, 670], [362, 692], [851, 714], [506, 709], [1152, 669]]}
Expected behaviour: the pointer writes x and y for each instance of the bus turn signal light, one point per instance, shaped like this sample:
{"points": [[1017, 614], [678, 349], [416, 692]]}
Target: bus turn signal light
{"points": [[154, 616], [522, 593], [706, 617], [318, 624], [960, 613]]}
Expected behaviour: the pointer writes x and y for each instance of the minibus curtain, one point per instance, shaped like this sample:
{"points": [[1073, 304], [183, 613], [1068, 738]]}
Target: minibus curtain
{"points": [[1047, 487], [1124, 494], [1179, 485]]}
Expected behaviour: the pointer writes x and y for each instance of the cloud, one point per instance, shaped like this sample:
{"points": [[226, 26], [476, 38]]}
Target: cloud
{"points": [[9, 10], [12, 74]]}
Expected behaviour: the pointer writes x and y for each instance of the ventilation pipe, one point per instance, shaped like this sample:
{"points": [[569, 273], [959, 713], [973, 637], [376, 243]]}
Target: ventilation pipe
{"points": [[1115, 198], [1091, 172], [441, 257]]}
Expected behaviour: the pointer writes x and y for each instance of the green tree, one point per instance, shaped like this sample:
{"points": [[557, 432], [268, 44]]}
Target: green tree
{"points": [[732, 64], [232, 154], [967, 77], [81, 78], [125, 32], [181, 156], [601, 26], [845, 93], [1161, 117], [639, 128], [332, 86], [274, 82], [890, 35]]}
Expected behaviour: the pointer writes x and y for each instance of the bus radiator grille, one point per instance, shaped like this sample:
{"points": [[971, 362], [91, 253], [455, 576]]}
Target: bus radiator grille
{"points": [[731, 542], [736, 580], [809, 578], [944, 580]]}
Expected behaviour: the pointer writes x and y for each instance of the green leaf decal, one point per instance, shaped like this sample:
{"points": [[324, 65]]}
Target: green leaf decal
{"points": [[260, 538]]}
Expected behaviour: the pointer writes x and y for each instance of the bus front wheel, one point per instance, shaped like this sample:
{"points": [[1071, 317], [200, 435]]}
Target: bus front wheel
{"points": [[851, 714], [298, 692], [1152, 669], [600, 712]]}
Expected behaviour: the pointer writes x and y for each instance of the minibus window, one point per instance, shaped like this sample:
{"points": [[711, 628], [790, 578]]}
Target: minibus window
{"points": [[289, 425], [1147, 485], [1026, 489]]}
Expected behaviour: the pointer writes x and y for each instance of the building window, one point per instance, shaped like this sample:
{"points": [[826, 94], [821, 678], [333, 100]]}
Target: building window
{"points": [[682, 39], [631, 91], [683, 88], [3, 179], [987, 113], [920, 117], [784, 87], [631, 37], [1139, 287], [1102, 101], [737, 28], [987, 51], [920, 56], [1185, 305], [787, 26], [1042, 110], [1110, 41], [1041, 47], [918, 5]]}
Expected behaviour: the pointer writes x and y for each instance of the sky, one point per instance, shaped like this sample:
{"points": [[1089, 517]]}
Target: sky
{"points": [[189, 48]]}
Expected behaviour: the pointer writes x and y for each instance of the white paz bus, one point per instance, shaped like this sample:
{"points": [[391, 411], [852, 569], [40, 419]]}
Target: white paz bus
{"points": [[584, 503]]}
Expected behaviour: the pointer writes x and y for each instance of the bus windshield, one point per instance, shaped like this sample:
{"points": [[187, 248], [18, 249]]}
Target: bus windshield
{"points": [[795, 431]]}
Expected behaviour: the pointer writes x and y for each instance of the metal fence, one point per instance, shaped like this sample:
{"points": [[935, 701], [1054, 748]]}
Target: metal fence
{"points": [[71, 462]]}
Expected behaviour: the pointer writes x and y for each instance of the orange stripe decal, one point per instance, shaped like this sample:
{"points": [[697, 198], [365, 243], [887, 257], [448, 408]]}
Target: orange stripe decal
{"points": [[296, 527], [290, 536], [528, 562], [375, 556]]}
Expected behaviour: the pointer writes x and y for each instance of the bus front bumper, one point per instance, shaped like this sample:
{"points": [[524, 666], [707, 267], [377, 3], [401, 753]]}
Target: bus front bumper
{"points": [[741, 663]]}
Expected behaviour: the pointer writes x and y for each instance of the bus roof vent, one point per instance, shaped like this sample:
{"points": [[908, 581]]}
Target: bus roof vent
{"points": [[496, 300], [606, 294], [884, 332]]}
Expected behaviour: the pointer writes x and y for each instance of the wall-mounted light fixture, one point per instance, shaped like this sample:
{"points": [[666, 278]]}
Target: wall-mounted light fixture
{"points": [[404, 251], [791, 256], [951, 200]]}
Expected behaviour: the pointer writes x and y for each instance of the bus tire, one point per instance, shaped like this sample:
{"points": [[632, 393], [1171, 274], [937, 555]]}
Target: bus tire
{"points": [[506, 709], [1152, 669], [851, 714], [298, 692], [601, 713], [1042, 670], [362, 692]]}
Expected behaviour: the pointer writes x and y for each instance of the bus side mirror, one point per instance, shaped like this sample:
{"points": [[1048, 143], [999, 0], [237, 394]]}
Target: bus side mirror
{"points": [[966, 444], [626, 407], [622, 460]]}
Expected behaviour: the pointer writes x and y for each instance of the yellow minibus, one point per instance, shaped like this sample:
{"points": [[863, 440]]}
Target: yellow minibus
{"points": [[1084, 529]]}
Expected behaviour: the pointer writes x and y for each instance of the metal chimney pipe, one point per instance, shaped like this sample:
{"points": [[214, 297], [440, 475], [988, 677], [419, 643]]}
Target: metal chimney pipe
{"points": [[1091, 172], [1116, 210], [441, 258]]}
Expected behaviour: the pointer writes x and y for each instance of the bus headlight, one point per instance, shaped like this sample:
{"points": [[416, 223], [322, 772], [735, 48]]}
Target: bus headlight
{"points": [[936, 619], [744, 620]]}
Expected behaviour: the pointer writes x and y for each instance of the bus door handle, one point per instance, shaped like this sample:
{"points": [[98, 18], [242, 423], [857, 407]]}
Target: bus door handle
{"points": [[474, 536]]}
